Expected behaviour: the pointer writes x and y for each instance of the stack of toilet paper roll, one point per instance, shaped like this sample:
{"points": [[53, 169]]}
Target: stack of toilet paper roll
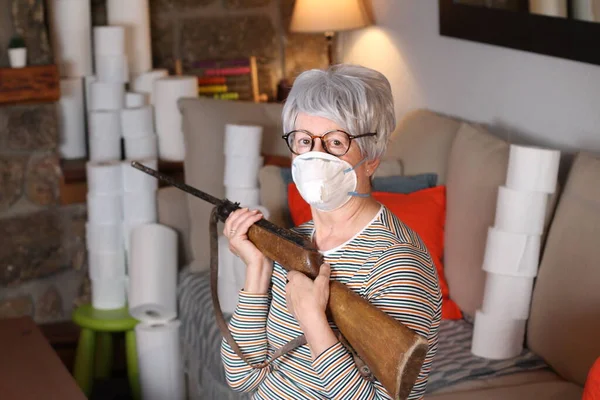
{"points": [[137, 128], [512, 252]]}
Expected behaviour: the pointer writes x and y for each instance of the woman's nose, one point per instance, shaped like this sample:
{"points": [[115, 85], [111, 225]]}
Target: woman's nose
{"points": [[319, 145]]}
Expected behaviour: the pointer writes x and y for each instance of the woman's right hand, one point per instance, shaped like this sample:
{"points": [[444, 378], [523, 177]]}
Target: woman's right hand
{"points": [[236, 230]]}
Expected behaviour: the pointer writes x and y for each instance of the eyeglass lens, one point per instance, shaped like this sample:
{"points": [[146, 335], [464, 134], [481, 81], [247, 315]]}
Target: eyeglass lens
{"points": [[336, 143]]}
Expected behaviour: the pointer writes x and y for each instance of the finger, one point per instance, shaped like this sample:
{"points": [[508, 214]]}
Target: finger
{"points": [[325, 271], [244, 222], [292, 276], [231, 220]]}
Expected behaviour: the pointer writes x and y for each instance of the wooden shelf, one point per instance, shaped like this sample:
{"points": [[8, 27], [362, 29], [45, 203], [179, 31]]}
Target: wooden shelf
{"points": [[35, 84]]}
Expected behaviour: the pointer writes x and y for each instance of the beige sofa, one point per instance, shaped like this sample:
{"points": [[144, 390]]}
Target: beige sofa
{"points": [[564, 323]]}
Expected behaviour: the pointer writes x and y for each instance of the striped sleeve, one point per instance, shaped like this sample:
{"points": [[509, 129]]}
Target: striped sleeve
{"points": [[248, 328]]}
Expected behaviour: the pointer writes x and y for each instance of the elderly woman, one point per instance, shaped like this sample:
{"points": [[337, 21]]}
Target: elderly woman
{"points": [[337, 124]]}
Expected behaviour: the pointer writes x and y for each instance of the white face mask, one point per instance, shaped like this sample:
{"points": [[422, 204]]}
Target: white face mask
{"points": [[325, 181]]}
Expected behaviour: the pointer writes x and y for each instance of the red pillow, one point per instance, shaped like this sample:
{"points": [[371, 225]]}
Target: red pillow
{"points": [[424, 211], [591, 390]]}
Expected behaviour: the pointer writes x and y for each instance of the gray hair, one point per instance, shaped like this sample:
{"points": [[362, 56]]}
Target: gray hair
{"points": [[357, 98]]}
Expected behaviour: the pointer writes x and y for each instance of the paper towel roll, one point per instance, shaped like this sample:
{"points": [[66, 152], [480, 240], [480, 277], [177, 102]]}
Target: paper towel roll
{"points": [[497, 338], [72, 119], [108, 294], [520, 212], [112, 68], [247, 197], [104, 237], [104, 124], [167, 91], [107, 96], [153, 273], [507, 296], [144, 82], [553, 8], [109, 40], [532, 169], [134, 100], [135, 180], [242, 171], [232, 277], [105, 148], [142, 147], [140, 206], [106, 265], [104, 177], [70, 35], [243, 140], [159, 361], [104, 208], [512, 254], [137, 122]]}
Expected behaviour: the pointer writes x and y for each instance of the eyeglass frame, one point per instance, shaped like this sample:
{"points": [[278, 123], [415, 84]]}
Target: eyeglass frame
{"points": [[313, 137]]}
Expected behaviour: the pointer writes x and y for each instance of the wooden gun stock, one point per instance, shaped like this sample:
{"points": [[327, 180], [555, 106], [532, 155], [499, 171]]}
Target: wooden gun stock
{"points": [[393, 352]]}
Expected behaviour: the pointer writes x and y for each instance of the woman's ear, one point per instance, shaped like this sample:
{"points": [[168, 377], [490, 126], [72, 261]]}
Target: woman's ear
{"points": [[371, 166]]}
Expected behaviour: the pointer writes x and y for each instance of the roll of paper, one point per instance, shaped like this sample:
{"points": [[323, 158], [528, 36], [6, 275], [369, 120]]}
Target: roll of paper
{"points": [[72, 119], [242, 171], [583, 10], [532, 169], [108, 294], [153, 273], [107, 96], [232, 276], [167, 91], [104, 124], [512, 254], [70, 33], [137, 148], [104, 177], [127, 228], [247, 197], [506, 296], [135, 180], [107, 265], [88, 80], [520, 212], [497, 338], [243, 140], [135, 100], [159, 361], [144, 82], [104, 237], [104, 208], [112, 68], [137, 122], [109, 40], [105, 148], [140, 206], [552, 8]]}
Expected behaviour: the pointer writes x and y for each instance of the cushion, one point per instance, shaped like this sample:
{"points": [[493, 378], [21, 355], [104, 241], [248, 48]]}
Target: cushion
{"points": [[477, 166], [564, 324], [591, 391], [423, 211]]}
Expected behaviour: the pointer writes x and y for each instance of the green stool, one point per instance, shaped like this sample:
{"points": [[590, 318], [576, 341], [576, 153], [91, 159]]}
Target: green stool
{"points": [[99, 325]]}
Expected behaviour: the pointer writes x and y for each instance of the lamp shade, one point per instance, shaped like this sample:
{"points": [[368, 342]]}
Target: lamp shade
{"points": [[328, 15]]}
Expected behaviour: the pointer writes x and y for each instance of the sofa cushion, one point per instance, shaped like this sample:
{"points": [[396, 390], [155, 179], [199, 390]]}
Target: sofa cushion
{"points": [[477, 166], [555, 390], [564, 324]]}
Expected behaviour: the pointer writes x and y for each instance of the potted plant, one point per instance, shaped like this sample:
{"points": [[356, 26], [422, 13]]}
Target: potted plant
{"points": [[17, 53]]}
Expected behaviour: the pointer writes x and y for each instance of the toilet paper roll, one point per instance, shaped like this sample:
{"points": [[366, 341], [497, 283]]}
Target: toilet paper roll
{"points": [[520, 212], [112, 68], [512, 254], [247, 197], [104, 237], [232, 276], [107, 96], [497, 338], [167, 91], [140, 206], [159, 360], [126, 228], [104, 177], [144, 82], [135, 180], [134, 100], [583, 10], [135, 16], [553, 8], [105, 148], [137, 122], [104, 208], [71, 121], [243, 140], [106, 265], [532, 169], [104, 124], [153, 273], [88, 80], [109, 40], [242, 171], [141, 147], [506, 296], [70, 29], [108, 294]]}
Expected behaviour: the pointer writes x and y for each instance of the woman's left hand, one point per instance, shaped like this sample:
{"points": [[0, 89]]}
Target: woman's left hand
{"points": [[307, 299]]}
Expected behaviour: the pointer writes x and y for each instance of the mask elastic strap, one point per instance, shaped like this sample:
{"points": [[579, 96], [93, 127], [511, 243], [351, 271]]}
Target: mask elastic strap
{"points": [[350, 169], [356, 166], [359, 194]]}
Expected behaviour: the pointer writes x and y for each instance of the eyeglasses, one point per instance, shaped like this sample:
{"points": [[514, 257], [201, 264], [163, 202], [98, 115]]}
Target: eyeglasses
{"points": [[336, 142]]}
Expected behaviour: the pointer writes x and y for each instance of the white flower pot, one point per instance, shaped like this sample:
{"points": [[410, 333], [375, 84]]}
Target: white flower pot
{"points": [[18, 57]]}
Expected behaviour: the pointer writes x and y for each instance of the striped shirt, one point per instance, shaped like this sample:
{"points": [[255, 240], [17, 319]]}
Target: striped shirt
{"points": [[387, 264]]}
